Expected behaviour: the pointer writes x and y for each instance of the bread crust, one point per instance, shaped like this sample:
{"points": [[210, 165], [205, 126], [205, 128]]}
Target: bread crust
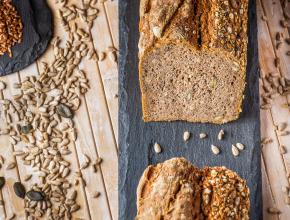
{"points": [[202, 25], [177, 190]]}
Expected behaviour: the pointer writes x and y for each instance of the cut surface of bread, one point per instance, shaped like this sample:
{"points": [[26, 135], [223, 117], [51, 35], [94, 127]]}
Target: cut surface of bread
{"points": [[176, 190], [181, 83], [192, 59]]}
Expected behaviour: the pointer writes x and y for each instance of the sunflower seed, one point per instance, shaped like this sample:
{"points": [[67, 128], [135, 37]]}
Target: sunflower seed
{"points": [[215, 149], [282, 149], [235, 151], [202, 135], [96, 194], [285, 189], [273, 210], [186, 135], [282, 126], [11, 166], [2, 85], [221, 135], [240, 146], [264, 18], [19, 190], [27, 177], [277, 62], [157, 148], [10, 216]]}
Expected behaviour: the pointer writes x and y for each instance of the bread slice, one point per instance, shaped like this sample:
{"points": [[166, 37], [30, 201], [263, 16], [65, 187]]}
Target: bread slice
{"points": [[192, 59], [176, 190]]}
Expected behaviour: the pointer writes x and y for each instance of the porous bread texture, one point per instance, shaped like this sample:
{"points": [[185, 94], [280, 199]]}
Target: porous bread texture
{"points": [[176, 190], [192, 59]]}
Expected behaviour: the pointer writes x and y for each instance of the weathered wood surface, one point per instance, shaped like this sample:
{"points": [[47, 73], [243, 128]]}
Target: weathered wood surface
{"points": [[99, 125]]}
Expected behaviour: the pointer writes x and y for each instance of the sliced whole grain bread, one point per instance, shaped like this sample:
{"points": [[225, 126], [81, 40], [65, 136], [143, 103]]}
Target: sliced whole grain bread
{"points": [[176, 190], [192, 59]]}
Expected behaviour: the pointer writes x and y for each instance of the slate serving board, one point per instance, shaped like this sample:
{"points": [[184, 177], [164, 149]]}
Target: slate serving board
{"points": [[37, 32], [136, 138]]}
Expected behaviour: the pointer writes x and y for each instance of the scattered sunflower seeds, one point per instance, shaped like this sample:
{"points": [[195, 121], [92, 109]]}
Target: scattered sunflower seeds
{"points": [[186, 135], [157, 148]]}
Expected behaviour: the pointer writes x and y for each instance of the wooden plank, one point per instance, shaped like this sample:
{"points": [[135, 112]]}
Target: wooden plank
{"points": [[108, 69], [112, 16], [274, 164], [274, 117], [275, 15], [267, 195], [13, 175]]}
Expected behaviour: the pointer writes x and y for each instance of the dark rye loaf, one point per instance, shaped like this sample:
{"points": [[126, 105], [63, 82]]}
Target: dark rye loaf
{"points": [[192, 59], [176, 190]]}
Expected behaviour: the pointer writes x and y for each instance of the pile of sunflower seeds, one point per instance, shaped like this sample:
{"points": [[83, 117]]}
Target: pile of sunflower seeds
{"points": [[41, 118], [10, 27]]}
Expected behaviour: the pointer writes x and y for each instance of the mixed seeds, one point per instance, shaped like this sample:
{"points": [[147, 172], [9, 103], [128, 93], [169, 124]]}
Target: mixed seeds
{"points": [[40, 118]]}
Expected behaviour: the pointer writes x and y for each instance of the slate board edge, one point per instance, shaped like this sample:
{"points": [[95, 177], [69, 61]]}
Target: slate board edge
{"points": [[40, 48], [124, 65]]}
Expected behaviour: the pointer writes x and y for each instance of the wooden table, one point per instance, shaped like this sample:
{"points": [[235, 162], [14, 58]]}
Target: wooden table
{"points": [[97, 120]]}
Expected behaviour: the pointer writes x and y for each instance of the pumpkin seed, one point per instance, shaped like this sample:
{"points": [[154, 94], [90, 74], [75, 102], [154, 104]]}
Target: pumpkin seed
{"points": [[26, 129], [19, 190], [35, 195], [2, 182], [64, 111]]}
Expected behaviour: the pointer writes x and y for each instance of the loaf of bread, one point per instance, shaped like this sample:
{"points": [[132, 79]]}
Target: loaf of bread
{"points": [[193, 57], [176, 190]]}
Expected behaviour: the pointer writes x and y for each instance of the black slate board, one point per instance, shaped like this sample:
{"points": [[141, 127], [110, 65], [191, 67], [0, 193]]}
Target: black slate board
{"points": [[136, 138], [37, 32]]}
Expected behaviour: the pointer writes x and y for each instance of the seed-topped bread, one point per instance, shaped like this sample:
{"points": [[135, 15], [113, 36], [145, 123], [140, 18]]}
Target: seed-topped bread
{"points": [[176, 190], [192, 59]]}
